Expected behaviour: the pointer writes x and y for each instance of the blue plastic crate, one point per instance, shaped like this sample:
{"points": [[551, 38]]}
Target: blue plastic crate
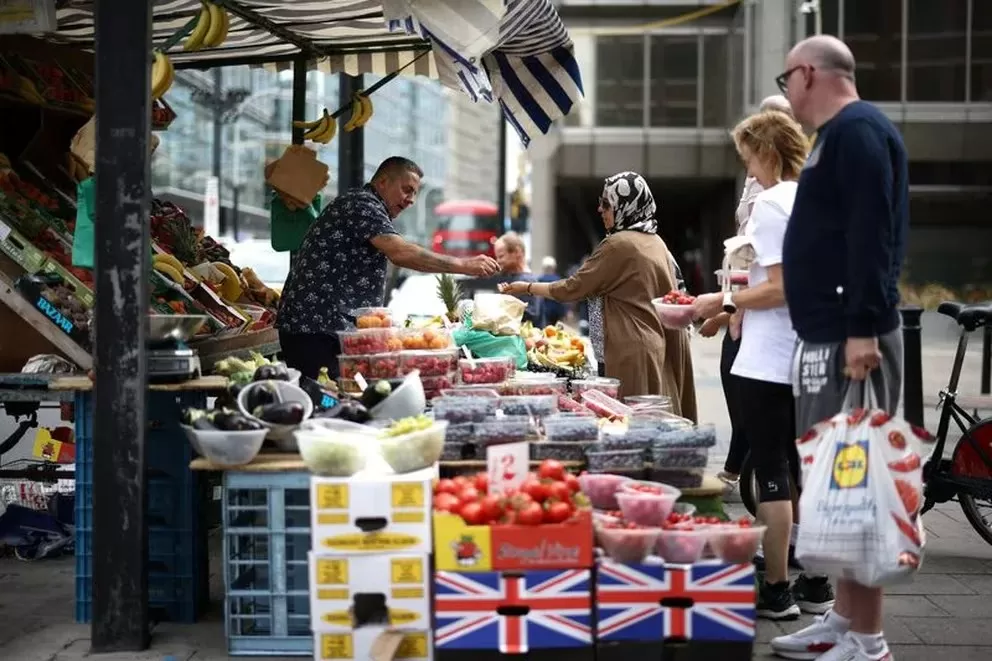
{"points": [[266, 542], [176, 540]]}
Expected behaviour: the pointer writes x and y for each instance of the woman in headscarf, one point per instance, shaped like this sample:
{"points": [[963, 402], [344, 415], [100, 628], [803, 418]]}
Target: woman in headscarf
{"points": [[631, 266]]}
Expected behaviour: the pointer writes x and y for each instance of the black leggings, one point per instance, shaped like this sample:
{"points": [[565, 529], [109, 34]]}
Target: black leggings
{"points": [[769, 417], [738, 441], [308, 353]]}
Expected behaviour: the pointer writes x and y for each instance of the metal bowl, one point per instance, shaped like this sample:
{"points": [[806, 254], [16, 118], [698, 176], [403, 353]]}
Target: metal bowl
{"points": [[174, 327]]}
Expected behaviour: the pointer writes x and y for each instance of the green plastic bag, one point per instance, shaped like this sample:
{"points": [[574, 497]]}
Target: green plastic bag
{"points": [[289, 227], [82, 236], [484, 344]]}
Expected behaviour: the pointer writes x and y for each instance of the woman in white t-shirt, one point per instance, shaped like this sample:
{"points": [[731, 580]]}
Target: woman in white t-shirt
{"points": [[773, 148]]}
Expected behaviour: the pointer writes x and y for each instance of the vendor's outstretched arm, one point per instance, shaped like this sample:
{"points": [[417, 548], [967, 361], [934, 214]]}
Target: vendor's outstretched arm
{"points": [[409, 255]]}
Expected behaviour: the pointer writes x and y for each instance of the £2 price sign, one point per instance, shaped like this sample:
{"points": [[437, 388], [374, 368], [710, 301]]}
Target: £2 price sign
{"points": [[507, 466]]}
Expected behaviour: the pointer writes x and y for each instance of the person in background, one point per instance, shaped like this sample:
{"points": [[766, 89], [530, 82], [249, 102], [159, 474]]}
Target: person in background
{"points": [[732, 337], [551, 310], [628, 269], [511, 255], [341, 266], [843, 253]]}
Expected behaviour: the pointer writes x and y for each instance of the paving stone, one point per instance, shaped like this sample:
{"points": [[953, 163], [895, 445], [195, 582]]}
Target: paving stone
{"points": [[979, 584], [766, 630], [955, 565], [931, 652], [947, 630], [964, 606], [898, 605], [897, 632], [928, 584]]}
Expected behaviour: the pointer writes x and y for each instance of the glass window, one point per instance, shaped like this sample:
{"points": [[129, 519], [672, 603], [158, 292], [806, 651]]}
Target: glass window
{"points": [[620, 81], [830, 21], [674, 80], [873, 30], [981, 50], [935, 56], [716, 80]]}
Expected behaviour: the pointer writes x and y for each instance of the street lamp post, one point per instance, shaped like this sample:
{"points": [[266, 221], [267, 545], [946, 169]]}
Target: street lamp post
{"points": [[813, 7]]}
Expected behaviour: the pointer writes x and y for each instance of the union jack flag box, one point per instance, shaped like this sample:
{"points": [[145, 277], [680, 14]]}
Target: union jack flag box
{"points": [[513, 612], [707, 601]]}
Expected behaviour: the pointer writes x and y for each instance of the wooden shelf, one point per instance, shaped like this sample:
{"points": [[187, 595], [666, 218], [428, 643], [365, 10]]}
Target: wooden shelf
{"points": [[83, 383], [264, 463]]}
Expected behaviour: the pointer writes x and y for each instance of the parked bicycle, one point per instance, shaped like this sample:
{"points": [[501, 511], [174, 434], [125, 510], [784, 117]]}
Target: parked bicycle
{"points": [[967, 475]]}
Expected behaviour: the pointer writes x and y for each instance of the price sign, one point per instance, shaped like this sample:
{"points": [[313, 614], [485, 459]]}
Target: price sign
{"points": [[507, 465]]}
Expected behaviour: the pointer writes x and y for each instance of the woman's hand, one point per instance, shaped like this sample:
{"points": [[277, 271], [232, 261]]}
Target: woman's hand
{"points": [[513, 287], [713, 324], [736, 321], [708, 306]]}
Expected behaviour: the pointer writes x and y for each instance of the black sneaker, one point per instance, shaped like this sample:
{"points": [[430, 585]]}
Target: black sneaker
{"points": [[813, 594], [759, 561], [775, 602]]}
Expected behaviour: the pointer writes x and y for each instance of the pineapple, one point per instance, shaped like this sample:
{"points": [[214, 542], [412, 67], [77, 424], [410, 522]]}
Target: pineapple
{"points": [[450, 294], [186, 243]]}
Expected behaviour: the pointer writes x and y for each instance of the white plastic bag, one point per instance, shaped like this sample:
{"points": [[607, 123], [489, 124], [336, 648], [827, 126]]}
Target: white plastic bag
{"points": [[500, 314], [862, 491]]}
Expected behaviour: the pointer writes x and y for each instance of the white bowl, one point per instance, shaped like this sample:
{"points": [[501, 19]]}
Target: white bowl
{"points": [[281, 435], [414, 451], [354, 443], [673, 317], [405, 401], [226, 448]]}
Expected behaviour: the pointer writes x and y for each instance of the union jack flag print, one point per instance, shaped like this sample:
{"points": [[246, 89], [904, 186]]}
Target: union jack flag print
{"points": [[559, 615], [629, 602]]}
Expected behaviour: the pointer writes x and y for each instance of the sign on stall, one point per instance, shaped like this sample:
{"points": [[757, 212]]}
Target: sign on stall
{"points": [[507, 466]]}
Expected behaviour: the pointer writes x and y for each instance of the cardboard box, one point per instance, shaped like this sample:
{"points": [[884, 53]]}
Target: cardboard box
{"points": [[513, 612], [372, 513], [374, 644], [348, 592], [707, 601], [460, 547]]}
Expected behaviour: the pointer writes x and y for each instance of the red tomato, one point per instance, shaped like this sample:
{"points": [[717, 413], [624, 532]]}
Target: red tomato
{"points": [[446, 502], [468, 495], [446, 486], [491, 507], [519, 501], [472, 514], [461, 481], [560, 491], [557, 512], [530, 515], [482, 482], [535, 490], [572, 482], [551, 469]]}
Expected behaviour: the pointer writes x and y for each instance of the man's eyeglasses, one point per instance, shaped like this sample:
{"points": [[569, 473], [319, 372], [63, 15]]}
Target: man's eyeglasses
{"points": [[782, 80]]}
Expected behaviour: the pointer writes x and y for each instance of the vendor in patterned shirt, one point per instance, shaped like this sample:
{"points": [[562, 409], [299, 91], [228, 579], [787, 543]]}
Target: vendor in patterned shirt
{"points": [[341, 265]]}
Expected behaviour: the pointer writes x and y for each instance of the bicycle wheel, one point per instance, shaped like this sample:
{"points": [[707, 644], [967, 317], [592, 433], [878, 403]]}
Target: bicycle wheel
{"points": [[748, 486], [981, 524]]}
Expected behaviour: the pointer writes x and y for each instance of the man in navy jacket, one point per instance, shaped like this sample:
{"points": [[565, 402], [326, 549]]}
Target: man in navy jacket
{"points": [[842, 255]]}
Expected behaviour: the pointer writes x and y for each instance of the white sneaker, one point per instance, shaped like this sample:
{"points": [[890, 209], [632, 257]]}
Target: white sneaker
{"points": [[810, 643], [850, 648]]}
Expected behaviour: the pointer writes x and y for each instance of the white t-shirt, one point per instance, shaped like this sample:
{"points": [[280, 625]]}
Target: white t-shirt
{"points": [[767, 338]]}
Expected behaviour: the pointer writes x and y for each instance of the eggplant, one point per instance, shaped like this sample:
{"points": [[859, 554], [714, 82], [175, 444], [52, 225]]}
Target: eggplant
{"points": [[190, 415], [234, 421], [348, 410], [376, 393], [204, 423], [281, 413], [261, 394], [273, 372]]}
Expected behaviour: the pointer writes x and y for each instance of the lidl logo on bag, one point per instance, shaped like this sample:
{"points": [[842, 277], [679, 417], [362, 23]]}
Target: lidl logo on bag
{"points": [[850, 466]]}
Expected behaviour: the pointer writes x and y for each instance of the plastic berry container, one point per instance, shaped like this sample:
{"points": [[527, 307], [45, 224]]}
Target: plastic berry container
{"points": [[424, 339], [601, 489], [372, 318], [679, 458], [571, 428], [369, 342], [605, 406], [535, 387], [349, 386], [433, 385], [627, 545], [647, 509], [430, 363], [683, 546], [733, 543], [496, 431], [485, 370], [615, 460], [457, 410], [607, 386], [539, 405], [488, 391]]}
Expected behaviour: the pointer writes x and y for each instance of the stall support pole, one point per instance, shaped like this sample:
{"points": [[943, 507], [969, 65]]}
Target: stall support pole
{"points": [[501, 172], [351, 145], [299, 111], [123, 35], [216, 147], [912, 369]]}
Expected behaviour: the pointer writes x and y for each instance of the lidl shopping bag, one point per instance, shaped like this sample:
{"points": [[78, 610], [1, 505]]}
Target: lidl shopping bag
{"points": [[859, 512]]}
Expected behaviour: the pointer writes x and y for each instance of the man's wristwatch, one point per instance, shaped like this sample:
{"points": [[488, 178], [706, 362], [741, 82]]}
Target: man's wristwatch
{"points": [[728, 303]]}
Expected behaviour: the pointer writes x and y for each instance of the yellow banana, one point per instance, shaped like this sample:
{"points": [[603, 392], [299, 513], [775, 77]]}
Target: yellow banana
{"points": [[215, 35], [159, 75], [307, 125], [330, 129], [195, 39], [367, 109], [29, 92], [354, 122], [171, 260], [169, 272], [227, 25]]}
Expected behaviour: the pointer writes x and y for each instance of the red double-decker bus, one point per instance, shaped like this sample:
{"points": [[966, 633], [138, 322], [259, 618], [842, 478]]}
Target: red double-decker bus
{"points": [[466, 228]]}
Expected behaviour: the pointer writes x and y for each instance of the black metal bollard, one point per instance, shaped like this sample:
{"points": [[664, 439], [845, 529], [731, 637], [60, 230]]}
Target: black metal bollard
{"points": [[987, 360], [912, 364]]}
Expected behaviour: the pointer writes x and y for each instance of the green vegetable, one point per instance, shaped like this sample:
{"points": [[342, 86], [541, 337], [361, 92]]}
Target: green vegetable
{"points": [[407, 426]]}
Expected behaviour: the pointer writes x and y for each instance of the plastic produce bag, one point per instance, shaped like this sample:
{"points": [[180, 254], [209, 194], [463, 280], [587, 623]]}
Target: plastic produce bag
{"points": [[499, 314], [484, 344], [862, 491], [83, 235]]}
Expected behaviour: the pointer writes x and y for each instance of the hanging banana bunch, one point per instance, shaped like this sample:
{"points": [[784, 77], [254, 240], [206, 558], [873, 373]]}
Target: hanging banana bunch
{"points": [[211, 28], [361, 112], [320, 130], [163, 75]]}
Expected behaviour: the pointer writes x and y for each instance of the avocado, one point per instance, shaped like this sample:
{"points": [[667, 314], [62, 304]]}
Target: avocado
{"points": [[261, 394], [281, 413]]}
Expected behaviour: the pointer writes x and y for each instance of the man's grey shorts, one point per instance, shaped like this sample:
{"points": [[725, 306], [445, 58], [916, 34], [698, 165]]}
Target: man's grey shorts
{"points": [[820, 386]]}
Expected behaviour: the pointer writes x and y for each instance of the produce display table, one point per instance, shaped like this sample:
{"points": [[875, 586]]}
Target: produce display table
{"points": [[203, 384]]}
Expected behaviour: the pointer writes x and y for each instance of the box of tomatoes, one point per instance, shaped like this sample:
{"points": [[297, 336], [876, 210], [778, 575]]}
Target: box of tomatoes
{"points": [[544, 524]]}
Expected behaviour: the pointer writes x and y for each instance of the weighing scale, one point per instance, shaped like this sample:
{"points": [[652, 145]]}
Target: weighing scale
{"points": [[170, 359]]}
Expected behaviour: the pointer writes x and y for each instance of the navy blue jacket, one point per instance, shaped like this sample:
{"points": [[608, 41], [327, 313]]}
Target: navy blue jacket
{"points": [[846, 238]]}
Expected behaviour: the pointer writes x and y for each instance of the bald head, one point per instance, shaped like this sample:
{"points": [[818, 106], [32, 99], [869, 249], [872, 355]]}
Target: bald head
{"points": [[776, 102], [827, 53]]}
